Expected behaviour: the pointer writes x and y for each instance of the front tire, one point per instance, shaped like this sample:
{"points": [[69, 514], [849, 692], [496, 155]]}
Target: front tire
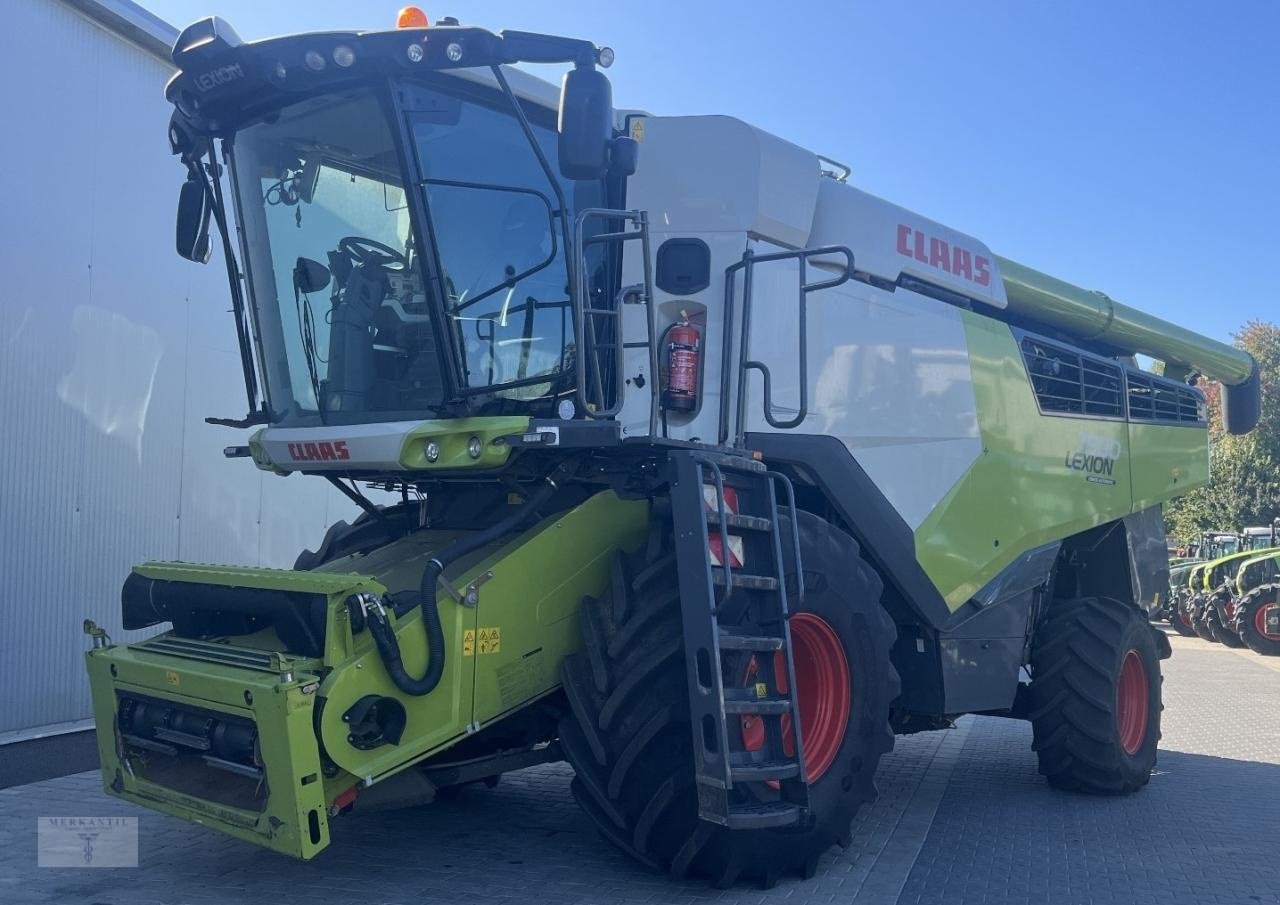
{"points": [[1095, 694], [1199, 615], [1220, 627], [1251, 620], [628, 735]]}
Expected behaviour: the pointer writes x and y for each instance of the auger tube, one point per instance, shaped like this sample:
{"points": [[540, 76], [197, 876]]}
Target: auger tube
{"points": [[1095, 316]]}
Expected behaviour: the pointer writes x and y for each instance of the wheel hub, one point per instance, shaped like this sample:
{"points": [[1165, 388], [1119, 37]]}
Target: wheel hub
{"points": [[824, 692], [1131, 703], [1260, 621]]}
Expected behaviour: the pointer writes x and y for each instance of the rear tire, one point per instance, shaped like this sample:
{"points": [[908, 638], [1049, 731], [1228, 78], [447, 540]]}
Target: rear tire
{"points": [[1251, 614], [1181, 620], [1095, 696], [628, 735]]}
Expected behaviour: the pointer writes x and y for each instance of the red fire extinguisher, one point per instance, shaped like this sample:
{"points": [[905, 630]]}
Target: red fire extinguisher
{"points": [[684, 358]]}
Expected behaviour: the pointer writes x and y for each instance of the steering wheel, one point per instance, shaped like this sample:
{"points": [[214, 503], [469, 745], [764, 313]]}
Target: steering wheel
{"points": [[371, 253]]}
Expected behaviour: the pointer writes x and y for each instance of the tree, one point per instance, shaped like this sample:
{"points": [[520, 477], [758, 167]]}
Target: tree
{"points": [[1244, 471]]}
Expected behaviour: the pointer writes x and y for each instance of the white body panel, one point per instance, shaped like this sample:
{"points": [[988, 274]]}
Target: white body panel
{"points": [[888, 241], [367, 446], [888, 372], [112, 352], [888, 376], [722, 181]]}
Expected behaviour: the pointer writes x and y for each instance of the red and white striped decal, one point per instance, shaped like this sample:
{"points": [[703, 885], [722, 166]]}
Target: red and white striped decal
{"points": [[717, 549], [730, 499]]}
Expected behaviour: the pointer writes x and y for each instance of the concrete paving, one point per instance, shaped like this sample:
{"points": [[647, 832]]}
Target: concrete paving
{"points": [[962, 817]]}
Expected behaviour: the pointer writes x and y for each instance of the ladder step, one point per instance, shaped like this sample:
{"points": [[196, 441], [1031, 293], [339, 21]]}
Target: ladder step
{"points": [[745, 580], [734, 641], [764, 771], [761, 706], [745, 522], [761, 815]]}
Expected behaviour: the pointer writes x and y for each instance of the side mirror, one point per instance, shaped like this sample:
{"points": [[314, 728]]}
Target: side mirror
{"points": [[586, 123], [191, 237], [310, 276], [309, 177]]}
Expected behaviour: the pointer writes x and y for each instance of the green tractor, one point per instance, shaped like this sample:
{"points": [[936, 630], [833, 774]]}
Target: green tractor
{"points": [[1256, 616], [1174, 607], [1212, 608], [1256, 613], [680, 459]]}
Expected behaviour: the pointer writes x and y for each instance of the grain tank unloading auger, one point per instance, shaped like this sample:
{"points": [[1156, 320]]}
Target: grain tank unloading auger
{"points": [[540, 321]]}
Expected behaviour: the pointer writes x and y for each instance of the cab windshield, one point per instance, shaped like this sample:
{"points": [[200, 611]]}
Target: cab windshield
{"points": [[360, 317]]}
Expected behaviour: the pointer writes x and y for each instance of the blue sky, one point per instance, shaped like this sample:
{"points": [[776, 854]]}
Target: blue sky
{"points": [[1128, 147]]}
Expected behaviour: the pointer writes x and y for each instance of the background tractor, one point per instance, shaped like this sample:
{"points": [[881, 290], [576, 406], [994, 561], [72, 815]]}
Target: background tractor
{"points": [[680, 458], [1256, 615]]}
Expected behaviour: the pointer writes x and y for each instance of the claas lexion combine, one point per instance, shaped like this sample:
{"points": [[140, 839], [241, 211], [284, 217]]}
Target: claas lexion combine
{"points": [[709, 472]]}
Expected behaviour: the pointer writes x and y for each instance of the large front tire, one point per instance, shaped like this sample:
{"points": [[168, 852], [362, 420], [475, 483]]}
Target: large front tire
{"points": [[628, 735], [1095, 694], [1251, 620], [1220, 625]]}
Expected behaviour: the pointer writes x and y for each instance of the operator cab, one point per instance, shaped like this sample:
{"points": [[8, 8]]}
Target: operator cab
{"points": [[406, 219]]}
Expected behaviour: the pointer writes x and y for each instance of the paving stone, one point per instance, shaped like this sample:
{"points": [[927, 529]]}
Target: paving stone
{"points": [[962, 817]]}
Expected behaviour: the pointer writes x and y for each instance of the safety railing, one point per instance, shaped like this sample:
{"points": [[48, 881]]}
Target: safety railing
{"points": [[590, 320], [733, 424]]}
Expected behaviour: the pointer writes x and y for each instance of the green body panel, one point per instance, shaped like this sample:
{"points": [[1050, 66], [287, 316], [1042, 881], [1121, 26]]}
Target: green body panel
{"points": [[1030, 485], [547, 569], [1171, 460], [453, 437], [282, 711], [535, 584], [1021, 492], [1093, 316]]}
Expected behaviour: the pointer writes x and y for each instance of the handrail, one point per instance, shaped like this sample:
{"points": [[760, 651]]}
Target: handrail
{"points": [[584, 329], [747, 265]]}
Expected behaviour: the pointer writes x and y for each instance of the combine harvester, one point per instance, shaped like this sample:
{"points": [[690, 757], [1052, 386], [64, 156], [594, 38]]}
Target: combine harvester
{"points": [[714, 471]]}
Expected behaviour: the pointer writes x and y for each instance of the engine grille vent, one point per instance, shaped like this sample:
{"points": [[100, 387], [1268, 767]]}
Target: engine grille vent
{"points": [[1067, 382]]}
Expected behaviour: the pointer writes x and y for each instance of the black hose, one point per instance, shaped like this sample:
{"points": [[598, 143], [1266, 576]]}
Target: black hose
{"points": [[384, 638]]}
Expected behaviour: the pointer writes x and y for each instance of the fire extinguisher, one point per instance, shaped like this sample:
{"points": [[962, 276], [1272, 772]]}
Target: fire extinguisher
{"points": [[684, 358]]}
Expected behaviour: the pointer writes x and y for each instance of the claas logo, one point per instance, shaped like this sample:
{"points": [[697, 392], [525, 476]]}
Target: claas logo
{"points": [[319, 452], [953, 259]]}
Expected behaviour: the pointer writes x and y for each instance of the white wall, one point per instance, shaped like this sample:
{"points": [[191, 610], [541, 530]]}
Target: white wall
{"points": [[112, 352]]}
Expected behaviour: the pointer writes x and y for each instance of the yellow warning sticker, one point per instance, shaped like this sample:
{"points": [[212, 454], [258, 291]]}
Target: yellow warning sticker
{"points": [[637, 129], [468, 642], [762, 690], [172, 678], [489, 640]]}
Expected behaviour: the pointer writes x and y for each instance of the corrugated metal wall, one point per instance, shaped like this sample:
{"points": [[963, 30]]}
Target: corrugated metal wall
{"points": [[112, 351]]}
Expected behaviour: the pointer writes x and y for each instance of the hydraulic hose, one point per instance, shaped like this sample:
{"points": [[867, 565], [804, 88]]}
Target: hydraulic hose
{"points": [[384, 637]]}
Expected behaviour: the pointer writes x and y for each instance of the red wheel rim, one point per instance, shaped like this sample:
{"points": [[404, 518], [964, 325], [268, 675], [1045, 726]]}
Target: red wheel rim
{"points": [[1185, 619], [1260, 622], [1131, 703], [824, 691]]}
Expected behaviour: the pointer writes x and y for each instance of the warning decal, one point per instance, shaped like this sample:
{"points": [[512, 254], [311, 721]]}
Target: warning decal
{"points": [[520, 680], [489, 640], [468, 642]]}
